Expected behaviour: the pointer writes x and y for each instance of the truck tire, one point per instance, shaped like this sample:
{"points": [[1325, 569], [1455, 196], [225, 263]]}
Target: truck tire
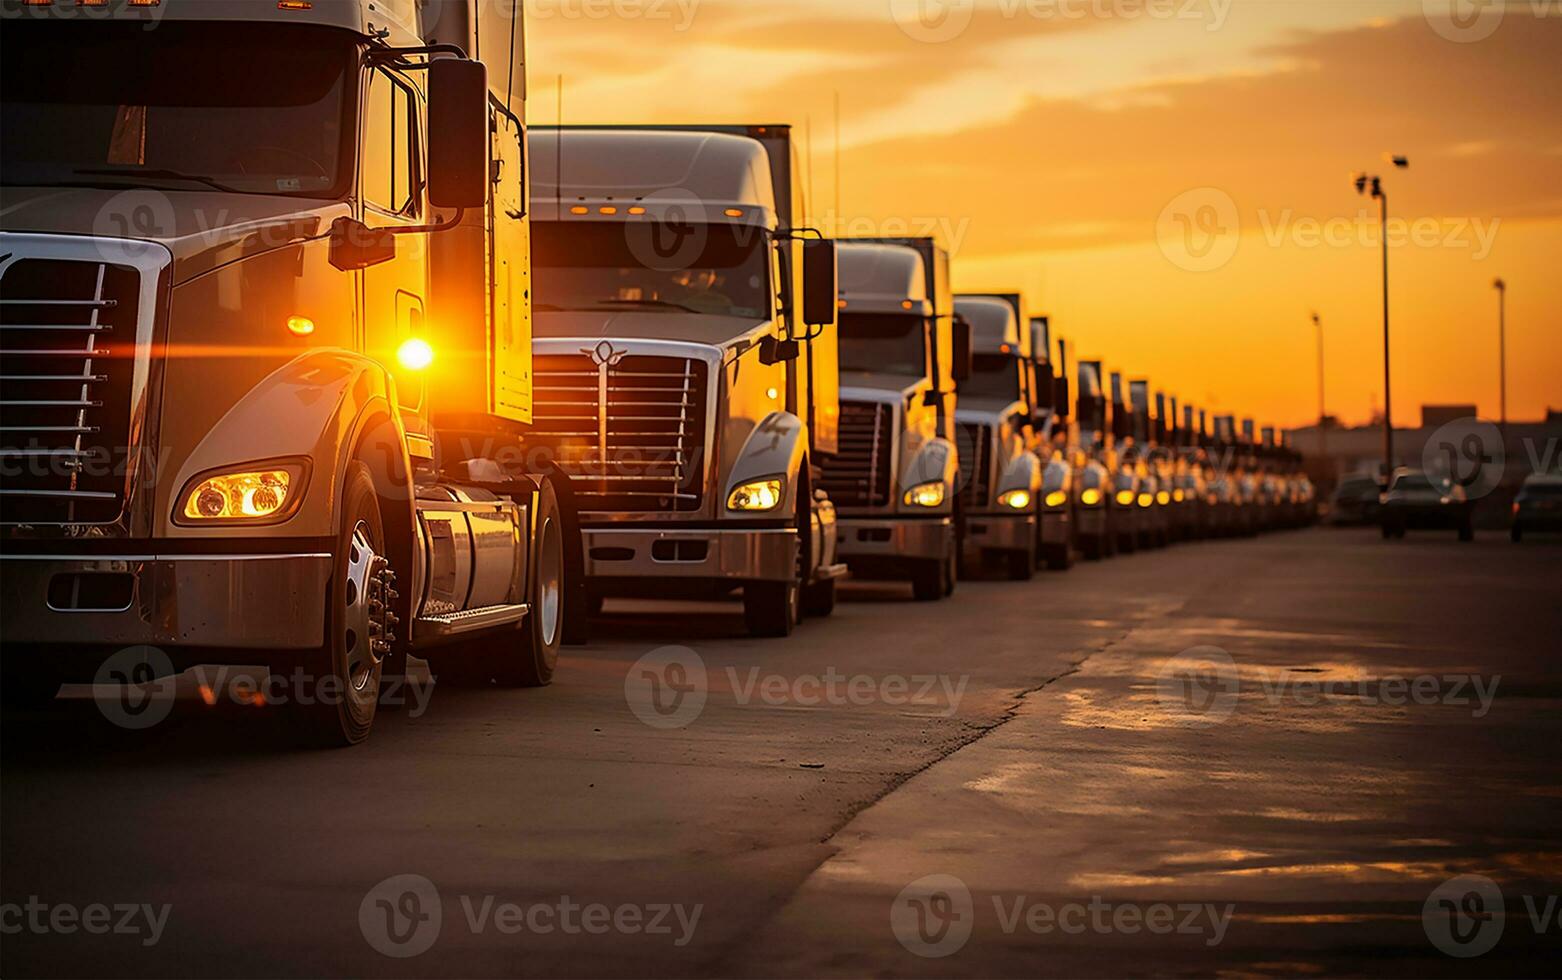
{"points": [[1517, 534], [819, 599], [933, 579], [1467, 530], [772, 608], [1059, 558], [531, 660], [346, 670], [1090, 548]]}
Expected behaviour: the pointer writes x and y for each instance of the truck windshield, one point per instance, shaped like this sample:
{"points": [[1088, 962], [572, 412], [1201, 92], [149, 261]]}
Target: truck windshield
{"points": [[615, 266], [992, 376], [893, 342], [112, 104]]}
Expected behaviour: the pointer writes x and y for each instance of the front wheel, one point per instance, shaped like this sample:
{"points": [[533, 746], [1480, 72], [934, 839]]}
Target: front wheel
{"points": [[531, 662], [819, 599], [360, 625], [1517, 534], [1022, 564], [772, 608]]}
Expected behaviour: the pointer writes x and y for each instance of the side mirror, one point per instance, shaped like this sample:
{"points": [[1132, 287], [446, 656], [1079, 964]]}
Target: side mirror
{"points": [[960, 367], [354, 245], [458, 137], [1060, 395], [773, 350], [820, 282], [1046, 386]]}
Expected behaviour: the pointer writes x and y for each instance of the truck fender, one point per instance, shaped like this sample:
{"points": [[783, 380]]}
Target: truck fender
{"points": [[317, 407], [776, 447], [937, 459], [1024, 472]]}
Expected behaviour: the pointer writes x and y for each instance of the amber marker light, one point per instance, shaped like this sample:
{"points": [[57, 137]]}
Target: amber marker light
{"points": [[415, 354], [300, 326]]}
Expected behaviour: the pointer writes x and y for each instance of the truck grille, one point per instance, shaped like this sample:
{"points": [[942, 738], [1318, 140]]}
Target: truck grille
{"points": [[67, 345], [859, 475], [975, 449], [631, 436]]}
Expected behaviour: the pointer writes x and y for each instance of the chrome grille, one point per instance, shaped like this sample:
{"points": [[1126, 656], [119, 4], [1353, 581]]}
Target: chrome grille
{"points": [[859, 475], [631, 435], [975, 449], [67, 340]]}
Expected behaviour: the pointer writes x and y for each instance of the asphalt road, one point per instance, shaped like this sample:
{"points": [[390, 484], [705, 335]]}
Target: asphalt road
{"points": [[1030, 779]]}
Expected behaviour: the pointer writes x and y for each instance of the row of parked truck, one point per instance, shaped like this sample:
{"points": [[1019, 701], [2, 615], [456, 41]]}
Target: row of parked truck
{"points": [[342, 364]]}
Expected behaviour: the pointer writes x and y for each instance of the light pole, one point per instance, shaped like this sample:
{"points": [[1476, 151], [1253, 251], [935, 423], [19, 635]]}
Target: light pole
{"points": [[1323, 429], [1363, 182], [1502, 347]]}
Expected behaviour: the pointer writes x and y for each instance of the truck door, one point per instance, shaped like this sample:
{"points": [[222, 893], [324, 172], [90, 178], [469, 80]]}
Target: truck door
{"points": [[390, 182]]}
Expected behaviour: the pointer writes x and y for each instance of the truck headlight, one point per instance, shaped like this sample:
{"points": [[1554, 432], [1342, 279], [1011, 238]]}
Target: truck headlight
{"points": [[1057, 498], [926, 495], [758, 495], [260, 495], [1091, 497], [1163, 498], [1178, 496], [1125, 498], [1015, 499], [1146, 499]]}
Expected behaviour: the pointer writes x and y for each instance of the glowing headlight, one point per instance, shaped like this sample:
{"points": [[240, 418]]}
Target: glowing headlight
{"points": [[1017, 499], [1125, 498], [1057, 498], [1146, 499], [925, 495], [239, 496], [756, 496], [1163, 498], [1178, 496], [1090, 497]]}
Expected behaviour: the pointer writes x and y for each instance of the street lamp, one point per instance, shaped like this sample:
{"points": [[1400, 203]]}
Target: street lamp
{"points": [[1502, 346], [1323, 429], [1363, 182]]}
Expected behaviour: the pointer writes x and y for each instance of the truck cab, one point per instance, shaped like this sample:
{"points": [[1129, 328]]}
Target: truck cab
{"points": [[267, 350], [687, 372], [1094, 516], [1001, 493], [896, 476]]}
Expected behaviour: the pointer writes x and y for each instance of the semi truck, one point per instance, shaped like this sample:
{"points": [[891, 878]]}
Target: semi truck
{"points": [[1063, 462], [1096, 532], [267, 350], [896, 476], [687, 363], [998, 435]]}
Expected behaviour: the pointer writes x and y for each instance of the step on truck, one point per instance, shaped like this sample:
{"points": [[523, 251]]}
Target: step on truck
{"points": [[267, 350], [997, 435], [896, 477], [687, 373]]}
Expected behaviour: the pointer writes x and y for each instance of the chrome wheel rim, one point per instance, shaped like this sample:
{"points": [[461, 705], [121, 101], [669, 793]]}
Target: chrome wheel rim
{"points": [[367, 622], [550, 582]]}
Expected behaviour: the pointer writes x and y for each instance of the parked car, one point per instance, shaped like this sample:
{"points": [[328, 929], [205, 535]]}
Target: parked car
{"points": [[1355, 501], [1538, 507], [1417, 500]]}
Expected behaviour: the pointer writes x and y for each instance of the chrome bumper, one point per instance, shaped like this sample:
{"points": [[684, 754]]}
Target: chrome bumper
{"points": [[890, 538], [240, 602], [1055, 527], [739, 555], [1000, 532], [1092, 522]]}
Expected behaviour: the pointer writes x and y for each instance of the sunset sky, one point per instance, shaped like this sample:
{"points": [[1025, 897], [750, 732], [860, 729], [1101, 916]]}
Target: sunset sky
{"points": [[1169, 179]]}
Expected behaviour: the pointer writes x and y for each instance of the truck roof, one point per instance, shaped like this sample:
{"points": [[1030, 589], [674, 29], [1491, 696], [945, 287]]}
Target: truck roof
{"points": [[881, 278], [368, 17], [995, 323], [620, 174]]}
